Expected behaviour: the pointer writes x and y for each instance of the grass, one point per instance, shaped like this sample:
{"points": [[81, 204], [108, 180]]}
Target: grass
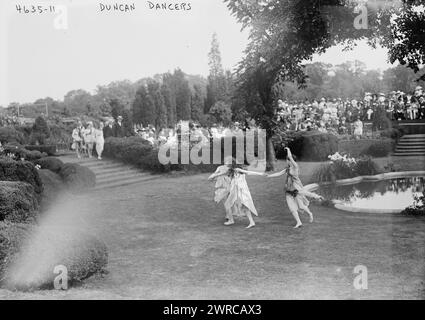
{"points": [[166, 240]]}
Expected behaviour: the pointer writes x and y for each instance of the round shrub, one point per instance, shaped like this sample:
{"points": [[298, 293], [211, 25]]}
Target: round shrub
{"points": [[76, 177], [51, 163], [10, 134], [18, 201], [53, 187], [365, 166], [40, 131], [379, 149], [48, 149], [314, 146], [29, 255], [11, 170], [21, 153], [393, 133], [11, 238]]}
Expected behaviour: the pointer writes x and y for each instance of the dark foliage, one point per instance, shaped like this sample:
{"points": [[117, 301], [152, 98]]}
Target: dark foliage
{"points": [[11, 170], [76, 177], [50, 163], [379, 149], [18, 201], [314, 146]]}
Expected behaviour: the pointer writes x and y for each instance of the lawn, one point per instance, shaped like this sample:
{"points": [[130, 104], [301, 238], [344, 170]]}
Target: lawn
{"points": [[167, 241]]}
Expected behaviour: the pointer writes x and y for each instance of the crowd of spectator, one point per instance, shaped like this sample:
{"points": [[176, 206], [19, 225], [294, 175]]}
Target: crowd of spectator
{"points": [[348, 116]]}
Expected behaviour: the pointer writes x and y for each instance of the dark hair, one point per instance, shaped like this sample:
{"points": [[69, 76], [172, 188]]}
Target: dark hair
{"points": [[234, 166]]}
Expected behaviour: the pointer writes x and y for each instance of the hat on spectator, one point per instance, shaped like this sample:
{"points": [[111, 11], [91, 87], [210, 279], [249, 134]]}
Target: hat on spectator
{"points": [[418, 88]]}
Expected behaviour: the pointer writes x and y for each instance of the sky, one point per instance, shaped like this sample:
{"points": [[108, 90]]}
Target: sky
{"points": [[51, 53]]}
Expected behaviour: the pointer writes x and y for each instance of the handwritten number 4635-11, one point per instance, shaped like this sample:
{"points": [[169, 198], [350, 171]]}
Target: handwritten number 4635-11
{"points": [[35, 9], [59, 12]]}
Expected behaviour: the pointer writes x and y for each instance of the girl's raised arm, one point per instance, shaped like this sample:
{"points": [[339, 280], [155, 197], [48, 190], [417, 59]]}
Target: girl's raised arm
{"points": [[290, 158], [217, 173], [255, 173], [277, 174]]}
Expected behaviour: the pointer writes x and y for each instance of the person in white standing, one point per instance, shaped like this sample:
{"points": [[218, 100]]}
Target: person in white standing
{"points": [[100, 141], [89, 138]]}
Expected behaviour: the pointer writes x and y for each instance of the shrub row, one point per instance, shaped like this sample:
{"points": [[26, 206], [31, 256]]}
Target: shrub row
{"points": [[312, 146], [11, 170], [82, 254], [21, 152], [138, 152], [332, 171], [18, 201]]}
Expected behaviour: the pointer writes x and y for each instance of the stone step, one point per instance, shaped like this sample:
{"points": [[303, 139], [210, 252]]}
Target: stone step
{"points": [[411, 143], [407, 154], [120, 183], [414, 135], [419, 146], [421, 151], [412, 138]]}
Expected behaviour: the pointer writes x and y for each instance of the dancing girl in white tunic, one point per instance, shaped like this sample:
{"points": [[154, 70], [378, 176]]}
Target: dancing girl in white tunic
{"points": [[231, 186], [296, 195]]}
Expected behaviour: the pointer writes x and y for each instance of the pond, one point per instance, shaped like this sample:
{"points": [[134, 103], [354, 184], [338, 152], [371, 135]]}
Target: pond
{"points": [[390, 195]]}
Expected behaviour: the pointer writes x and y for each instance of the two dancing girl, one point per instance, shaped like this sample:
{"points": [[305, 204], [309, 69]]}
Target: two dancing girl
{"points": [[231, 186]]}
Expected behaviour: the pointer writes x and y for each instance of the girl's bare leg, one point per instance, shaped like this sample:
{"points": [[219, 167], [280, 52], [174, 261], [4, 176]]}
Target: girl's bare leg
{"points": [[293, 207], [229, 217], [306, 209], [251, 220]]}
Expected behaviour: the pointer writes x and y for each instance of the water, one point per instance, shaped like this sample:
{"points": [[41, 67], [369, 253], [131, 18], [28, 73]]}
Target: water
{"points": [[391, 194]]}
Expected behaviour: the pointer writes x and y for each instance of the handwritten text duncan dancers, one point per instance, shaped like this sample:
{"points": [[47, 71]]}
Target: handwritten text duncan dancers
{"points": [[151, 5]]}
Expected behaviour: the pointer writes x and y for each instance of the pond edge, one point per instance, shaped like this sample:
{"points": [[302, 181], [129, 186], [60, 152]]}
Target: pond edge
{"points": [[382, 176]]}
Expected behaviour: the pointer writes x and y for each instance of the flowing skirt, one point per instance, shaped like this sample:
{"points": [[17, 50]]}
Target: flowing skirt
{"points": [[239, 202]]}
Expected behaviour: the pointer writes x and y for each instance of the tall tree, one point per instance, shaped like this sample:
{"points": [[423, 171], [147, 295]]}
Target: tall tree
{"points": [[143, 107], [154, 91], [197, 103], [216, 87], [183, 94], [168, 93], [117, 108]]}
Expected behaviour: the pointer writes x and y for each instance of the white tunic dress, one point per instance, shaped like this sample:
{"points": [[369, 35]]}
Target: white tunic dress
{"points": [[236, 192]]}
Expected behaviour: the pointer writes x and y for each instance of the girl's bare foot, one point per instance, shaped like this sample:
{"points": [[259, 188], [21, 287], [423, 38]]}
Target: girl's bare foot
{"points": [[298, 225], [228, 223], [250, 225]]}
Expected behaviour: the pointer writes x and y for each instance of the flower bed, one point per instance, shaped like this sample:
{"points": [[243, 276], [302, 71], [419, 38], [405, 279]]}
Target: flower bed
{"points": [[341, 166]]}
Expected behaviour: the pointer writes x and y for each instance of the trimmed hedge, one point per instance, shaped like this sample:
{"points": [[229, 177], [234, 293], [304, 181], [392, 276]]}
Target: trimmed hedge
{"points": [[34, 252], [379, 149], [21, 153], [48, 149], [331, 171], [25, 171], [76, 177], [53, 187], [314, 146], [18, 201], [10, 134], [50, 163], [139, 152]]}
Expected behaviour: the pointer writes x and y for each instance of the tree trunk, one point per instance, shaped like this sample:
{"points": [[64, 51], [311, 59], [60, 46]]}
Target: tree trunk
{"points": [[270, 154]]}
